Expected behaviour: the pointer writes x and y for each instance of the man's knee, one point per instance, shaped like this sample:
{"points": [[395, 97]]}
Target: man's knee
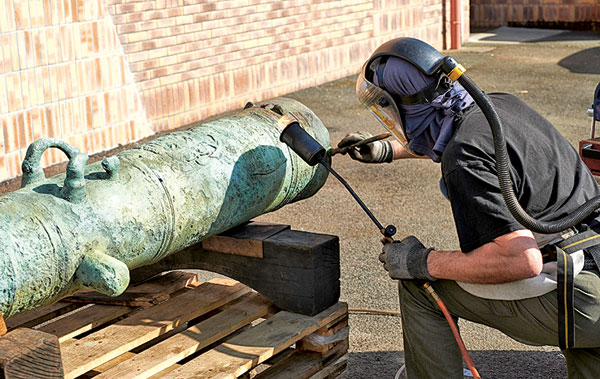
{"points": [[413, 295]]}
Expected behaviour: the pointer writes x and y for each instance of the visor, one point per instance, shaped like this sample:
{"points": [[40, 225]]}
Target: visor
{"points": [[381, 104]]}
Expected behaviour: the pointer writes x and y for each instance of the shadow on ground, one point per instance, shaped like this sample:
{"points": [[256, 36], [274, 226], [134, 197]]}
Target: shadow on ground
{"points": [[583, 62], [374, 364], [569, 35], [514, 364], [506, 34]]}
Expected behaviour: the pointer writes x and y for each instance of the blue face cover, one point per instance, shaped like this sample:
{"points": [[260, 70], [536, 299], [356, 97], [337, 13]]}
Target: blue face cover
{"points": [[428, 127]]}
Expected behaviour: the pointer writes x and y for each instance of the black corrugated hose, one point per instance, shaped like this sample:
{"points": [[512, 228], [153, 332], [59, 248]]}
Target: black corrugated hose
{"points": [[502, 168]]}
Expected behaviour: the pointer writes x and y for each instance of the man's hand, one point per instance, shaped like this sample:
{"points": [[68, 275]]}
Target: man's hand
{"points": [[374, 152], [406, 259]]}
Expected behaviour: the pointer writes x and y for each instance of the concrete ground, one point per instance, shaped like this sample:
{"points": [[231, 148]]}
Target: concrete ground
{"points": [[556, 73]]}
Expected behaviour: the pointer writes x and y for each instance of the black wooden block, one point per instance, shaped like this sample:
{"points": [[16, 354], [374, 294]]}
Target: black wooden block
{"points": [[299, 271]]}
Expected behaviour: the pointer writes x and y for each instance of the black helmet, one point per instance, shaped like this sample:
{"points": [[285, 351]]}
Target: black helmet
{"points": [[382, 103]]}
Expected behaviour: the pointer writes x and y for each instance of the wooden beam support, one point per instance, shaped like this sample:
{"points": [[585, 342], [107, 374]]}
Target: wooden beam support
{"points": [[298, 271], [246, 240], [30, 354]]}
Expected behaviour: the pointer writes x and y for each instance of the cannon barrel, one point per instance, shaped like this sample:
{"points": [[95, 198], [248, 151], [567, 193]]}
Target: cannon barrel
{"points": [[88, 227]]}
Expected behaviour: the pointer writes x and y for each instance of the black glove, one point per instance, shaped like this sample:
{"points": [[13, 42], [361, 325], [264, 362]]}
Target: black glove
{"points": [[374, 152], [406, 259]]}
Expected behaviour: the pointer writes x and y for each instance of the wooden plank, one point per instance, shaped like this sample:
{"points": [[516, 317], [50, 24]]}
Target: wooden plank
{"points": [[3, 328], [29, 354], [113, 362], [178, 279], [97, 315], [89, 352], [181, 345], [42, 314], [303, 364], [269, 363], [245, 240], [299, 365], [240, 353], [39, 315], [334, 326], [164, 372], [305, 344], [333, 370], [128, 299], [84, 320], [235, 246]]}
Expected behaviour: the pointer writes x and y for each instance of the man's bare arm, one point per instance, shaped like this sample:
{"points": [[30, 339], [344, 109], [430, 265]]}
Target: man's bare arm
{"points": [[510, 257]]}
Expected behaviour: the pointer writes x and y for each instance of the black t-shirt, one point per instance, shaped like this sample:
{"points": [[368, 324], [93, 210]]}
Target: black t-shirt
{"points": [[549, 178]]}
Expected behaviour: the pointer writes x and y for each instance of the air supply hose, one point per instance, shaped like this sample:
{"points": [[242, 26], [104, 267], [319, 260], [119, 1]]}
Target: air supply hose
{"points": [[502, 168]]}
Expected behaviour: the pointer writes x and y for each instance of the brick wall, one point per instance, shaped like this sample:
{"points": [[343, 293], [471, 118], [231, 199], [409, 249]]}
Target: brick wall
{"points": [[196, 58], [63, 74], [572, 14], [99, 73]]}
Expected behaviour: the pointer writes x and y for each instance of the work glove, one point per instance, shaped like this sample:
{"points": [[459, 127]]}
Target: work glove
{"points": [[406, 259], [374, 152]]}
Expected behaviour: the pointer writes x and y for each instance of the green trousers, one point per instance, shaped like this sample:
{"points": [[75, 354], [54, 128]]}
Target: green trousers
{"points": [[430, 349]]}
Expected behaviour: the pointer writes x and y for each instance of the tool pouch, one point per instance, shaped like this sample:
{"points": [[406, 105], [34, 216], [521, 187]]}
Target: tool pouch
{"points": [[589, 241]]}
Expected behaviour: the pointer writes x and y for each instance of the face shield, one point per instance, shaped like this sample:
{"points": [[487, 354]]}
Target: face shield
{"points": [[382, 106]]}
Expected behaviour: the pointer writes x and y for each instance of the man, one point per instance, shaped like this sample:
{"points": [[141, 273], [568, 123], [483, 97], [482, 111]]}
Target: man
{"points": [[499, 276]]}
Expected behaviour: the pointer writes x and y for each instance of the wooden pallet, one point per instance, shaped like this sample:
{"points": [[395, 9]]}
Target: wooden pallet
{"points": [[175, 327]]}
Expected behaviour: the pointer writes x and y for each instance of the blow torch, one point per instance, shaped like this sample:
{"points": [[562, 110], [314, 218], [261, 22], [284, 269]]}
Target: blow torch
{"points": [[312, 152]]}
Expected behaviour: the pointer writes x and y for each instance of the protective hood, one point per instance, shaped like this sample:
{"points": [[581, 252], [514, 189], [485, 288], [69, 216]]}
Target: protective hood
{"points": [[428, 126]]}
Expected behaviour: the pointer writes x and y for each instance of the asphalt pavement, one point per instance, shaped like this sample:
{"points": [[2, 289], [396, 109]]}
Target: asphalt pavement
{"points": [[553, 71]]}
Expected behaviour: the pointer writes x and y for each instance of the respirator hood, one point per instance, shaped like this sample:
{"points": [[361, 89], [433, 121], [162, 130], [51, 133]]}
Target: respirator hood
{"points": [[422, 55]]}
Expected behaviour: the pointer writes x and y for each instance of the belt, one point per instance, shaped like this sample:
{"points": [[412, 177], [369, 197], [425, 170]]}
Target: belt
{"points": [[589, 241]]}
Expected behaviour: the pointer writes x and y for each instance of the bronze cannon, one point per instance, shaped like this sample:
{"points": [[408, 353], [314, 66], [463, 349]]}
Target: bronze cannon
{"points": [[90, 226]]}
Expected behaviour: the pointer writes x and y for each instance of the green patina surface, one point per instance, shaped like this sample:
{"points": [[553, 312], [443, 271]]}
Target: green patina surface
{"points": [[88, 227]]}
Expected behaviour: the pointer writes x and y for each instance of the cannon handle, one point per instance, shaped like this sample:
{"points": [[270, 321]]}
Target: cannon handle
{"points": [[74, 185]]}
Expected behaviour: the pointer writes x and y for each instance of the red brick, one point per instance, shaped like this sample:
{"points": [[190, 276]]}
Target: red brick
{"points": [[126, 28], [170, 105], [88, 113], [165, 22], [195, 27], [21, 14], [11, 134], [98, 111], [78, 116], [125, 8], [156, 73], [13, 163], [37, 123], [112, 140], [25, 130], [116, 106], [174, 12], [147, 102], [148, 84], [88, 143]]}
